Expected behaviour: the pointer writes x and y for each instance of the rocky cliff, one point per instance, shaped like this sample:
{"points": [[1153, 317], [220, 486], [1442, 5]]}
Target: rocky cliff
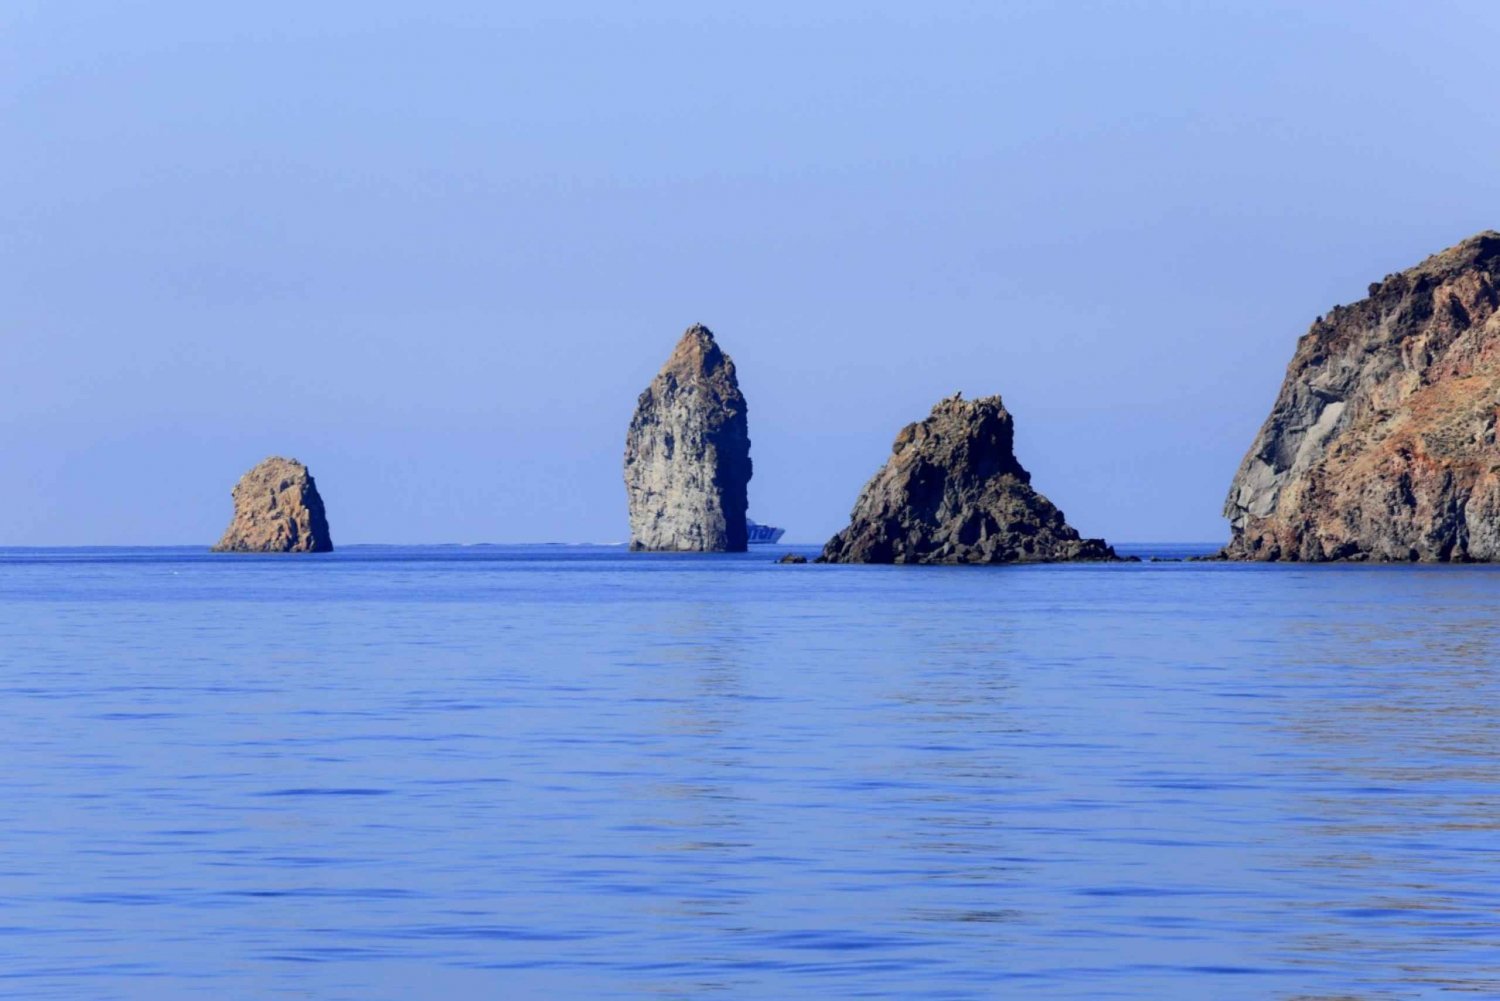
{"points": [[953, 492], [277, 510], [687, 454], [1381, 445]]}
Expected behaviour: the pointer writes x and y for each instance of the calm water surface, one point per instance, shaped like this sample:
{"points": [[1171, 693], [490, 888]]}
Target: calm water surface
{"points": [[561, 772]]}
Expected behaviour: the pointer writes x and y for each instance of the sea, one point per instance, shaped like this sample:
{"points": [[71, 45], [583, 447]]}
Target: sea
{"points": [[577, 772]]}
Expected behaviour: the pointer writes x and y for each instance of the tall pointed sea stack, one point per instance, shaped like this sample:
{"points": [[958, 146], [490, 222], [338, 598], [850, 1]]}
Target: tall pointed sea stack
{"points": [[277, 510], [953, 492], [1381, 445], [687, 455]]}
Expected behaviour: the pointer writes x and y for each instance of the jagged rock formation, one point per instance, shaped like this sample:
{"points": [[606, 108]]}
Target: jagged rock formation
{"points": [[687, 455], [953, 492], [1381, 445], [277, 510]]}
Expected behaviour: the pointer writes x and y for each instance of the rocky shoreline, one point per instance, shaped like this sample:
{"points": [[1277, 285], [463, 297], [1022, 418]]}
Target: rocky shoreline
{"points": [[1381, 445]]}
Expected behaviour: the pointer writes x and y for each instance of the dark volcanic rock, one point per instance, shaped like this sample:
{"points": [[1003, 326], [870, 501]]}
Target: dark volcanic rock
{"points": [[277, 510], [953, 492], [793, 558], [687, 455], [1381, 444]]}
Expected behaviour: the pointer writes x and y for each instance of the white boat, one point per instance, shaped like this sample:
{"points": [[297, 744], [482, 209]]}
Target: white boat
{"points": [[762, 535]]}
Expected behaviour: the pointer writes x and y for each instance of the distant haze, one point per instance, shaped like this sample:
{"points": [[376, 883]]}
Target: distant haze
{"points": [[436, 250]]}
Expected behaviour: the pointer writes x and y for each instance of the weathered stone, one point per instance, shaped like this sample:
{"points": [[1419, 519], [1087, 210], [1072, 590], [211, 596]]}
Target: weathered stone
{"points": [[277, 510], [793, 558], [1381, 445], [687, 454], [953, 492]]}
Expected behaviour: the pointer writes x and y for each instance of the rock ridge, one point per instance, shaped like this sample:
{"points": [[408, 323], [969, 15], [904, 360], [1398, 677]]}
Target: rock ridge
{"points": [[1381, 443]]}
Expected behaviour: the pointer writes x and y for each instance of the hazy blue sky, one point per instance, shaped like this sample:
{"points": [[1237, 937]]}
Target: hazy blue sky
{"points": [[435, 250]]}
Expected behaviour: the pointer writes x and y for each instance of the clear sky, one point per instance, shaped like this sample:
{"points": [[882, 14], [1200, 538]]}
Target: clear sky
{"points": [[435, 250]]}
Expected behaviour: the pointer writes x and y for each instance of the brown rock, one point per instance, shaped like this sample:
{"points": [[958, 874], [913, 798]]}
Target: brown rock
{"points": [[793, 558], [277, 510], [953, 492], [687, 454], [1381, 444]]}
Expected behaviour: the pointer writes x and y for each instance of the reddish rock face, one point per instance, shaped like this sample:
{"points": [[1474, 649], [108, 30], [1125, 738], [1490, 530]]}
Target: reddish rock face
{"points": [[277, 510], [1381, 445], [953, 492], [687, 454]]}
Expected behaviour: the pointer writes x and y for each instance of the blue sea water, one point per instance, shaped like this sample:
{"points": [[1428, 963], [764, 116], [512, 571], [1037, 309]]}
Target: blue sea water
{"points": [[573, 772]]}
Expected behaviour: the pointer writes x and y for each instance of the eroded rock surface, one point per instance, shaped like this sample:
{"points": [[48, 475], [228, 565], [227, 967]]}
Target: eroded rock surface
{"points": [[1381, 444], [687, 454], [277, 510], [953, 492]]}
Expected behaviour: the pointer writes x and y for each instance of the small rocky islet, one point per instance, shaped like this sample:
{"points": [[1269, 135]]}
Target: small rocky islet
{"points": [[954, 492], [1381, 445], [277, 509], [687, 454]]}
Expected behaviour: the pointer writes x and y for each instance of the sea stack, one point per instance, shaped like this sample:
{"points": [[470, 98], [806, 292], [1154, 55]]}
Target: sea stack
{"points": [[277, 510], [1381, 445], [953, 492], [687, 454]]}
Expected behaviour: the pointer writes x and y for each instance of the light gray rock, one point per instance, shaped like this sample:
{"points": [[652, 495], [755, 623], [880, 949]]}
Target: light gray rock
{"points": [[687, 454]]}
